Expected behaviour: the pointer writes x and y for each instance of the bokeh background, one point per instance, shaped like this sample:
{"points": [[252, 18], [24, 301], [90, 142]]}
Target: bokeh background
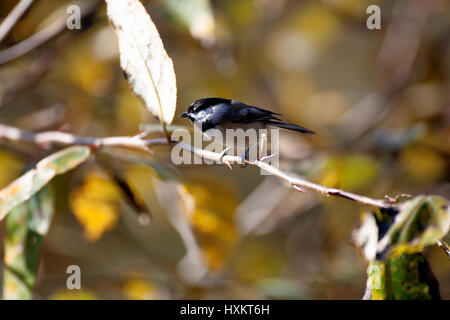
{"points": [[379, 100]]}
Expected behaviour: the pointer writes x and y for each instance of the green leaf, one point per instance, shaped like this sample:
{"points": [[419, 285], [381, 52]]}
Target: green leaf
{"points": [[411, 278], [377, 280], [401, 277], [31, 182], [26, 226], [421, 222], [392, 239]]}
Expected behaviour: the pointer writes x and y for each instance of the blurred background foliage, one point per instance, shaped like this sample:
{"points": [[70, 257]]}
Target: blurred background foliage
{"points": [[144, 229]]}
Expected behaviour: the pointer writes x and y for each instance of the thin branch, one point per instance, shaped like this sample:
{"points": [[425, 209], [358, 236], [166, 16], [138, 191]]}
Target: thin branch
{"points": [[297, 183], [32, 42], [44, 35], [36, 70], [58, 137], [14, 16]]}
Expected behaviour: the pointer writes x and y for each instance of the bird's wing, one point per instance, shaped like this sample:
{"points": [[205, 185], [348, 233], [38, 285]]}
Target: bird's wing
{"points": [[241, 112]]}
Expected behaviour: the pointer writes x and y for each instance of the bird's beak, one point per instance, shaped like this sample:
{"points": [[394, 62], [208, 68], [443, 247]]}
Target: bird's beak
{"points": [[184, 115]]}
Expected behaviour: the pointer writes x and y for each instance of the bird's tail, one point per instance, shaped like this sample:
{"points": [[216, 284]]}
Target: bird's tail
{"points": [[290, 126]]}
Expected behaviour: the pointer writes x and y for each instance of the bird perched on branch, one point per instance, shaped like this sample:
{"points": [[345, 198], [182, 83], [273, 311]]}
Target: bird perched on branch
{"points": [[220, 113], [223, 114]]}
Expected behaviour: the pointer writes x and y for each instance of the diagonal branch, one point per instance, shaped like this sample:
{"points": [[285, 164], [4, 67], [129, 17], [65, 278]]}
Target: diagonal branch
{"points": [[44, 35], [10, 21], [297, 183]]}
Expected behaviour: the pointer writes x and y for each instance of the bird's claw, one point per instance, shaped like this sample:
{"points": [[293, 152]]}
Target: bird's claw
{"points": [[296, 187], [268, 157], [261, 145], [244, 165], [222, 160], [243, 158]]}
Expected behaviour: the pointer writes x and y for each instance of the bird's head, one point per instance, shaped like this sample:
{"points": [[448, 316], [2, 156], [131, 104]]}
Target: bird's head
{"points": [[201, 104]]}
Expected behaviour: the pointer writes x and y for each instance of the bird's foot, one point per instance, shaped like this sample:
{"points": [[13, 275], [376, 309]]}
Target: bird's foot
{"points": [[268, 157], [222, 160], [244, 157], [262, 142]]}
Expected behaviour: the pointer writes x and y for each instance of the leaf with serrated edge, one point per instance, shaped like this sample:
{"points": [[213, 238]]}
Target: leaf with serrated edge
{"points": [[148, 68], [24, 187]]}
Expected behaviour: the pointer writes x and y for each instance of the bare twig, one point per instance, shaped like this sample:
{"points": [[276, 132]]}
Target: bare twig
{"points": [[11, 20], [44, 35], [35, 70], [58, 137], [295, 182], [32, 42]]}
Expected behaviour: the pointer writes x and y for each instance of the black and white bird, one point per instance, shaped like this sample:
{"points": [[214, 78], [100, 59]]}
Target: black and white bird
{"points": [[223, 114]]}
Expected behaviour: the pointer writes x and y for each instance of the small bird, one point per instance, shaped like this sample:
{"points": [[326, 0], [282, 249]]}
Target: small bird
{"points": [[220, 113], [223, 114]]}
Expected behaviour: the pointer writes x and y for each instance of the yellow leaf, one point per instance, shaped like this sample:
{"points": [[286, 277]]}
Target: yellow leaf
{"points": [[66, 294], [86, 71], [207, 207], [137, 289], [423, 164], [212, 219], [349, 172], [205, 221], [95, 205]]}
